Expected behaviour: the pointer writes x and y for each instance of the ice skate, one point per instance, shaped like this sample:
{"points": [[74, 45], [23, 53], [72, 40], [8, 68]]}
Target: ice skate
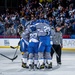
{"points": [[24, 65], [50, 65], [30, 67], [42, 66], [35, 67]]}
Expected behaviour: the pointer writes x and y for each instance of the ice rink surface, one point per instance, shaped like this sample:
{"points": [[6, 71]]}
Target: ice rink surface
{"points": [[7, 67]]}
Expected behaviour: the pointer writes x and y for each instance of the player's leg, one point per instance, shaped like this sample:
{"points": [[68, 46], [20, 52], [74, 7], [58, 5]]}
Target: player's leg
{"points": [[41, 49], [23, 49], [48, 58], [35, 54], [30, 52], [24, 60]]}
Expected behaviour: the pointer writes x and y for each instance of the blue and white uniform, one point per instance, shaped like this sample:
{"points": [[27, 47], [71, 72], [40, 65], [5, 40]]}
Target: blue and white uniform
{"points": [[33, 46], [24, 45], [44, 31]]}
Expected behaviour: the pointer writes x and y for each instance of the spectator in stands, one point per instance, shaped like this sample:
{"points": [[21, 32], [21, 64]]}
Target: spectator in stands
{"points": [[20, 29], [69, 29], [58, 10], [11, 31], [73, 27]]}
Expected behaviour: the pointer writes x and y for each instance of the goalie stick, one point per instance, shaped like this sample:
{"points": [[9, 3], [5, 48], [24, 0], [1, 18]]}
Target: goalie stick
{"points": [[9, 57]]}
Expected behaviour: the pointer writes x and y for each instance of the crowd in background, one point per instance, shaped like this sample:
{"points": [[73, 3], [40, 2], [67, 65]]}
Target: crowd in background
{"points": [[57, 12]]}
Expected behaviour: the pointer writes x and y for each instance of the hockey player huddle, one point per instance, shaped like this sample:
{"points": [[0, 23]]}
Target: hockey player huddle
{"points": [[35, 45]]}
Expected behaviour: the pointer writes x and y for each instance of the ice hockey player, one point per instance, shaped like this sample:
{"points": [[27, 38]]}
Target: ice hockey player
{"points": [[44, 48], [24, 48], [33, 48]]}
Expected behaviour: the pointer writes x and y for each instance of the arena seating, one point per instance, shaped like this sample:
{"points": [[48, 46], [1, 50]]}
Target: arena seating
{"points": [[72, 36], [66, 36]]}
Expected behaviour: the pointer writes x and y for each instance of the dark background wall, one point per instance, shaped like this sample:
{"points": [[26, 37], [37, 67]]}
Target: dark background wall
{"points": [[11, 4]]}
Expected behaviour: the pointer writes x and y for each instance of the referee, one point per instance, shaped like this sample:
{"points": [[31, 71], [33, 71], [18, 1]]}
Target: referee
{"points": [[57, 44]]}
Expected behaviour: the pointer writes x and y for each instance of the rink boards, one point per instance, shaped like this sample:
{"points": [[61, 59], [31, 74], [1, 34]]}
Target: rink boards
{"points": [[68, 44]]}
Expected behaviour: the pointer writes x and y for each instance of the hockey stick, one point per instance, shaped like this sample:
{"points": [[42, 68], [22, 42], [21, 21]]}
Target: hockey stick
{"points": [[9, 57], [43, 10], [41, 5], [15, 51], [55, 52], [14, 47]]}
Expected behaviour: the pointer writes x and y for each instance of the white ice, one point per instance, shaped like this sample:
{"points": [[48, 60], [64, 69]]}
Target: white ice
{"points": [[7, 67]]}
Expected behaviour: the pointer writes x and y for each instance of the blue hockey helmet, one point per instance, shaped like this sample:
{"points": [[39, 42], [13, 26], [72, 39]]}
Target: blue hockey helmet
{"points": [[33, 28]]}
